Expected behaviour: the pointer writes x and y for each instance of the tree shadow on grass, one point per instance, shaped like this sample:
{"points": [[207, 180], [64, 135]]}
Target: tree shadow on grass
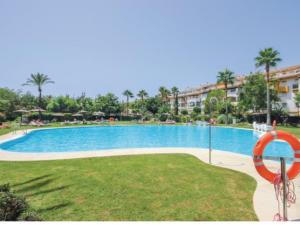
{"points": [[54, 207], [32, 180], [36, 185], [49, 190]]}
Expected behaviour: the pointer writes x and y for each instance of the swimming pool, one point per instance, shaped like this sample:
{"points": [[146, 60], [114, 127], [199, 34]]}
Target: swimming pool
{"points": [[140, 136]]}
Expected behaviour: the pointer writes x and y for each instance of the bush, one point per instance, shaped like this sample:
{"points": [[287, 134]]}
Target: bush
{"points": [[184, 119], [29, 216], [184, 112], [197, 110], [222, 119], [204, 118], [13, 207], [4, 188], [163, 117]]}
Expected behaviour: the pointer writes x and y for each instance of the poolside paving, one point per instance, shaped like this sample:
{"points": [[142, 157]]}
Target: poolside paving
{"points": [[264, 200]]}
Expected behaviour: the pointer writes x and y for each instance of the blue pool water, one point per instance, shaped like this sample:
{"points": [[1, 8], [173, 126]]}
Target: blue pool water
{"points": [[114, 137]]}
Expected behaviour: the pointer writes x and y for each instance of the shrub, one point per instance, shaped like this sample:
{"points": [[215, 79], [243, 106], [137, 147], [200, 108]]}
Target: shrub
{"points": [[204, 118], [13, 207], [4, 188], [222, 119], [163, 117], [184, 112], [197, 110], [30, 216]]}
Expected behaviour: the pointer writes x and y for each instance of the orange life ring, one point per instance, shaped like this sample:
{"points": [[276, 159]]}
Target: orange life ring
{"points": [[259, 149]]}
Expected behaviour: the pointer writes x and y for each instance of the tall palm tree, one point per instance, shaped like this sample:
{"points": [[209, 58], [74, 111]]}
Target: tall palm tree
{"points": [[128, 95], [142, 94], [164, 93], [226, 77], [268, 58], [39, 80], [175, 92]]}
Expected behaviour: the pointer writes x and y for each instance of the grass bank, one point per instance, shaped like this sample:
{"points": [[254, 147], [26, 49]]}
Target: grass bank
{"points": [[145, 187]]}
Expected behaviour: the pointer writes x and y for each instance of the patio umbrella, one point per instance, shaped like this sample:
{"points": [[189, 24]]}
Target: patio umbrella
{"points": [[38, 110], [21, 111], [99, 113], [58, 114], [77, 115], [82, 112]]}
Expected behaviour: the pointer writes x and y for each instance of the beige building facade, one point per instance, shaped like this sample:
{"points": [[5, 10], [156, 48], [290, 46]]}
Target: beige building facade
{"points": [[287, 85]]}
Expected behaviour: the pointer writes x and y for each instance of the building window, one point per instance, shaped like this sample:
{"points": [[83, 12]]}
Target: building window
{"points": [[192, 104], [295, 86], [284, 105]]}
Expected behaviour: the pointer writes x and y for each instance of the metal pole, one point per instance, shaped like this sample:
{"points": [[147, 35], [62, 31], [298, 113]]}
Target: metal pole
{"points": [[283, 178], [209, 142], [209, 132]]}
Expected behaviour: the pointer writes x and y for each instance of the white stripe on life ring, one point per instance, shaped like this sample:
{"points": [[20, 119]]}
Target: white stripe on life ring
{"points": [[259, 163], [297, 152], [297, 160], [274, 134]]}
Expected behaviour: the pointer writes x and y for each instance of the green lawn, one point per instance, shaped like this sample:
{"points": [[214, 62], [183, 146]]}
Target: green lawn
{"points": [[145, 187], [290, 129]]}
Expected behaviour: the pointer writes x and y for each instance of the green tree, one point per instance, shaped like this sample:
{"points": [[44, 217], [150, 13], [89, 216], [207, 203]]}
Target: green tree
{"points": [[9, 101], [39, 80], [219, 94], [109, 104], [268, 58], [175, 92], [64, 104], [85, 103], [164, 93], [140, 105], [128, 94], [297, 101], [153, 104], [253, 94], [28, 100], [226, 77], [142, 95]]}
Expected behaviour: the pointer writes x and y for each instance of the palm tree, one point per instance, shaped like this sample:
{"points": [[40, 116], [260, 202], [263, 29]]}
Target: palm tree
{"points": [[268, 58], [175, 93], [142, 94], [128, 95], [39, 80], [226, 77], [164, 93]]}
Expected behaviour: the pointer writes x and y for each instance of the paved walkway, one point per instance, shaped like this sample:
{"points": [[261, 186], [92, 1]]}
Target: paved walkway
{"points": [[264, 201]]}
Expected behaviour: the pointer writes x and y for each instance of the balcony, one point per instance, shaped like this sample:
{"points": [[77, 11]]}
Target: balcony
{"points": [[282, 89]]}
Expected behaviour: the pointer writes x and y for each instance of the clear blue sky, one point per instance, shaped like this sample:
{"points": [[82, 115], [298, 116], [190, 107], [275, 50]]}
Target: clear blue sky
{"points": [[101, 46]]}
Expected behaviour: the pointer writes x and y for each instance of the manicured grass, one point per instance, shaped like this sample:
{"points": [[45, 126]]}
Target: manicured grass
{"points": [[293, 130], [145, 187], [290, 129]]}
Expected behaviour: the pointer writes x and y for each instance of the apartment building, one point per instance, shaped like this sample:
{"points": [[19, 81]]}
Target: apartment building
{"points": [[287, 85]]}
